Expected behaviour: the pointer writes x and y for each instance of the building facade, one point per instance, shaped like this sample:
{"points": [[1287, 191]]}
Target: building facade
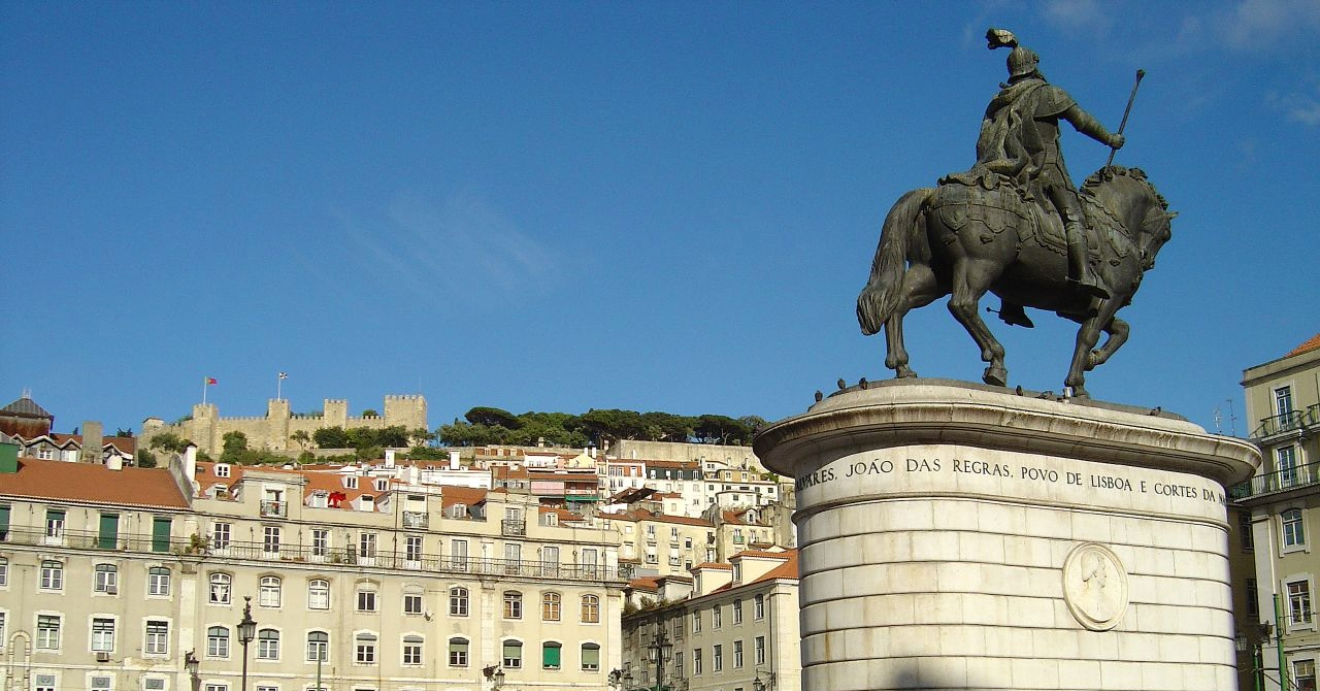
{"points": [[1278, 514]]}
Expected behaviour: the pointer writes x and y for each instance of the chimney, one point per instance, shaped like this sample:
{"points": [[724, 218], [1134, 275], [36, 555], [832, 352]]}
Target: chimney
{"points": [[453, 460], [92, 441], [114, 462], [389, 458], [190, 464]]}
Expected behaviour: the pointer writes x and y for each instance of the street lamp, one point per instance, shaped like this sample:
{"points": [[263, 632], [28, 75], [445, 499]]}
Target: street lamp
{"points": [[495, 676], [621, 679], [191, 663], [661, 651], [247, 630], [759, 685]]}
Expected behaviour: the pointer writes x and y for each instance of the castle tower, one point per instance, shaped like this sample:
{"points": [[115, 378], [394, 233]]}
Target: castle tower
{"points": [[336, 412]]}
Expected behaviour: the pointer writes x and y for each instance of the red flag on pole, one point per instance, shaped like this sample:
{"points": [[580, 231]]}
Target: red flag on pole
{"points": [[210, 381]]}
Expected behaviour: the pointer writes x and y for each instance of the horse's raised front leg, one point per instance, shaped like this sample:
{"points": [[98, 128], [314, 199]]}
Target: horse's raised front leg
{"points": [[1117, 331], [971, 280], [919, 289]]}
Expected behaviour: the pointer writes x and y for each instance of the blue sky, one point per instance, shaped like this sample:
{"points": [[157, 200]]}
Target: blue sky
{"points": [[567, 205]]}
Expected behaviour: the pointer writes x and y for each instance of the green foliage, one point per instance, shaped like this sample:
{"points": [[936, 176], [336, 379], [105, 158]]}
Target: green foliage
{"points": [[426, 453], [235, 445], [121, 432], [144, 459], [489, 426], [331, 438], [370, 412], [362, 438], [302, 438], [492, 417], [169, 442]]}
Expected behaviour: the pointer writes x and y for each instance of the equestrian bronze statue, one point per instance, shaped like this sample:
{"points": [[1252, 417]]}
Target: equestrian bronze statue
{"points": [[1016, 226]]}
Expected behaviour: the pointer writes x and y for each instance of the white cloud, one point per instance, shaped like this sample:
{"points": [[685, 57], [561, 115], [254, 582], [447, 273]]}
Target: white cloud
{"points": [[1259, 25], [1080, 15]]}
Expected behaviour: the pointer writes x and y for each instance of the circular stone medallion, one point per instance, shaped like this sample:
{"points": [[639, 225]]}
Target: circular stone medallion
{"points": [[1095, 586]]}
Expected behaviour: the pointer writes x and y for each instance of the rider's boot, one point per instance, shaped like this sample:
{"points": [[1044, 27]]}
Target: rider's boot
{"points": [[1080, 273], [1013, 315]]}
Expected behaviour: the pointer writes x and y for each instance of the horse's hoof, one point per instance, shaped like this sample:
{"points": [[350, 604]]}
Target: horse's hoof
{"points": [[905, 372], [995, 376], [1080, 392]]}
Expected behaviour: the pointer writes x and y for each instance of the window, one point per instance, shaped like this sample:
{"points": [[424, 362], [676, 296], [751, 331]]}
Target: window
{"points": [[221, 589], [48, 632], [44, 682], [100, 683], [512, 605], [55, 523], [458, 553], [758, 607], [268, 644], [4, 572], [412, 603], [268, 593], [513, 654], [1304, 675], [1285, 461], [52, 575], [220, 533], [106, 579], [320, 542], [696, 661], [591, 657], [716, 617], [696, 621], [458, 602], [367, 546], [1253, 598], [350, 483], [458, 652], [161, 527], [550, 607], [158, 581], [217, 687], [366, 599], [270, 539], [1283, 405], [550, 655], [1246, 539], [1299, 602], [412, 650], [382, 484], [318, 646], [679, 670], [263, 687], [158, 638], [412, 549], [758, 650], [103, 635], [737, 654], [366, 648], [108, 535], [1294, 535], [318, 594], [737, 612], [590, 609], [717, 658], [217, 642], [2, 627]]}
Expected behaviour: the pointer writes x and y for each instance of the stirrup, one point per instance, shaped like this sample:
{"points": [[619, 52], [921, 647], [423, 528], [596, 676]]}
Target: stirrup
{"points": [[1091, 286]]}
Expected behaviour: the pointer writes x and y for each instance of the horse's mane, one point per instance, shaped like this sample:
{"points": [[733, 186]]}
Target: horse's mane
{"points": [[1111, 172]]}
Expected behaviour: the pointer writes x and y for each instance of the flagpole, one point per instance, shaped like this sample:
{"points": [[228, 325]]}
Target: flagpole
{"points": [[279, 381], [205, 383]]}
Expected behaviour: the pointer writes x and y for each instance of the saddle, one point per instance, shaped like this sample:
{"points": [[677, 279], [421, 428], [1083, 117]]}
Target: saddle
{"points": [[983, 199]]}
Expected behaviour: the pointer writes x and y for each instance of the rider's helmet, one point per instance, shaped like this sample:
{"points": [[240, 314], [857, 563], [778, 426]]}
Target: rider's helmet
{"points": [[1022, 61]]}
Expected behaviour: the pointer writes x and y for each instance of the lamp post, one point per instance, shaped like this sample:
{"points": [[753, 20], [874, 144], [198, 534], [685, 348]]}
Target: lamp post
{"points": [[661, 651], [495, 676], [620, 679], [247, 630], [767, 685], [192, 665]]}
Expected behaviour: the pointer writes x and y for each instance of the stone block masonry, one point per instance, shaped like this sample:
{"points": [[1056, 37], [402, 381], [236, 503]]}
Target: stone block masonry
{"points": [[961, 537]]}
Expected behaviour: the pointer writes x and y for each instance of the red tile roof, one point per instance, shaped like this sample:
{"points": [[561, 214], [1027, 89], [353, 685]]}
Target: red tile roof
{"points": [[93, 483], [1306, 347]]}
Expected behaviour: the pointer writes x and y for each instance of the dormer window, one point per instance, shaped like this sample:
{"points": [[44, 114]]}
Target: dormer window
{"points": [[368, 502], [350, 482], [222, 470], [382, 485]]}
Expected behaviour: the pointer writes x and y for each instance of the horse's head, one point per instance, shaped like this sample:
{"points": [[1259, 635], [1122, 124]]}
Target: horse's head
{"points": [[1127, 194]]}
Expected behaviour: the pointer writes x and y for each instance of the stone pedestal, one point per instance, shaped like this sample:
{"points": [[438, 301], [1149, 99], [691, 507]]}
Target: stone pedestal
{"points": [[955, 536]]}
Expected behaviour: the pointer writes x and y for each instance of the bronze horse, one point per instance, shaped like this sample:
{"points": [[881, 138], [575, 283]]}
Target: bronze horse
{"points": [[967, 240]]}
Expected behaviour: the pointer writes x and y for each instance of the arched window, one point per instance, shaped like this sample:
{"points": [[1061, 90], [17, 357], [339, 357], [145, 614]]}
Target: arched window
{"points": [[513, 604], [217, 642], [107, 579], [458, 602], [550, 655], [512, 654], [268, 644], [221, 589], [318, 646], [268, 593], [158, 581], [318, 594], [591, 657], [550, 607], [366, 648], [458, 652], [412, 649], [52, 575], [590, 609]]}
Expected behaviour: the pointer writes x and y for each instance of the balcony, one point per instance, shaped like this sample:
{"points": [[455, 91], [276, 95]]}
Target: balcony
{"points": [[274, 509], [92, 541], [513, 527], [416, 519], [1295, 421], [1283, 480]]}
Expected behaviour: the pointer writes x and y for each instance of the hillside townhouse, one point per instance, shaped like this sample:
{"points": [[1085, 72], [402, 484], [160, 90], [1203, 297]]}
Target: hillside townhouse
{"points": [[735, 630], [117, 578], [660, 545]]}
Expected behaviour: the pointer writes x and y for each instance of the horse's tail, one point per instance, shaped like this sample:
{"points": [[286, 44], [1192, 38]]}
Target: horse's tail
{"points": [[881, 294]]}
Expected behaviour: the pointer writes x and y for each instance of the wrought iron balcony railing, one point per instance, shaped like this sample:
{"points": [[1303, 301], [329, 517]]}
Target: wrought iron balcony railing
{"points": [[274, 509], [1288, 422], [1281, 480], [415, 519], [513, 527]]}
